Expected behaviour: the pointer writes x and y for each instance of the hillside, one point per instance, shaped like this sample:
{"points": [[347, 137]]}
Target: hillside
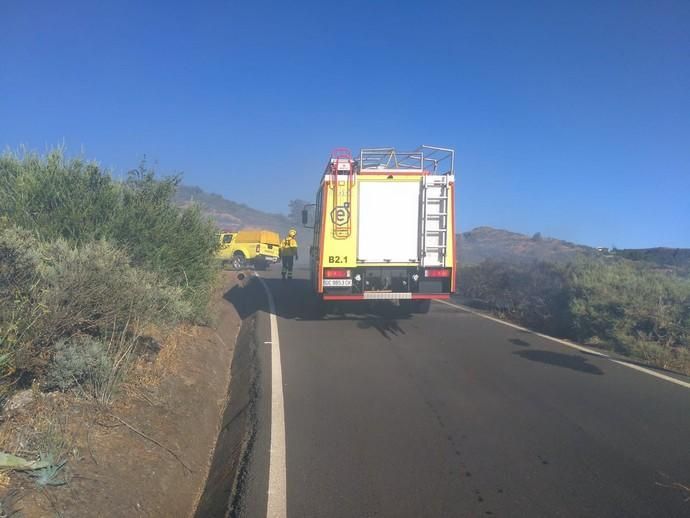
{"points": [[484, 243], [474, 246], [228, 214]]}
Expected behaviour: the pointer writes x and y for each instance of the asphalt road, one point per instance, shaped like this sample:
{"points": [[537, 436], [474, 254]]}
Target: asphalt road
{"points": [[450, 414]]}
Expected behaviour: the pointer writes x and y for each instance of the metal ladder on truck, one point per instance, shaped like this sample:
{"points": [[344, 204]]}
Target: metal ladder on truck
{"points": [[434, 209]]}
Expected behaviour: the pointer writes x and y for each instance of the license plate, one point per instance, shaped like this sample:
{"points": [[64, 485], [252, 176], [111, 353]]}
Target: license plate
{"points": [[337, 283]]}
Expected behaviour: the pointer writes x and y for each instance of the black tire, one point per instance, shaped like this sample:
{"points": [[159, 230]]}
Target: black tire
{"points": [[238, 261]]}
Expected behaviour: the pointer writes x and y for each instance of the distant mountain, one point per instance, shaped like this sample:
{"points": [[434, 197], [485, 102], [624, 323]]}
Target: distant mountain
{"points": [[231, 215], [484, 243], [474, 246]]}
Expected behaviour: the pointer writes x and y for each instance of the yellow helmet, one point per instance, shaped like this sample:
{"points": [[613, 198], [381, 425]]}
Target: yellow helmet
{"points": [[292, 232]]}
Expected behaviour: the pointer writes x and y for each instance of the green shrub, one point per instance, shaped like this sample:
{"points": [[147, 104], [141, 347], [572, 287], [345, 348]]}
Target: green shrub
{"points": [[534, 294], [87, 263], [631, 308], [53, 291], [56, 197], [78, 201], [81, 360], [94, 289], [623, 303], [179, 244], [20, 295]]}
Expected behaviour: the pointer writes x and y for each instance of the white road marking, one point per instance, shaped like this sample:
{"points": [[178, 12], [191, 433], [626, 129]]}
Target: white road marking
{"points": [[651, 372], [277, 497], [570, 344]]}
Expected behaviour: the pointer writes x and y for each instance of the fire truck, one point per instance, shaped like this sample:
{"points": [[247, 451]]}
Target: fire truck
{"points": [[384, 227]]}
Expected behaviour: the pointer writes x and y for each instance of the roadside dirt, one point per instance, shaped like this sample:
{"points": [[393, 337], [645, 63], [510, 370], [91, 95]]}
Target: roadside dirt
{"points": [[149, 454]]}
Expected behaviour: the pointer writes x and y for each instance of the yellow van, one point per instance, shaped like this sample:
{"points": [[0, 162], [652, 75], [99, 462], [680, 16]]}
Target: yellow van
{"points": [[259, 248]]}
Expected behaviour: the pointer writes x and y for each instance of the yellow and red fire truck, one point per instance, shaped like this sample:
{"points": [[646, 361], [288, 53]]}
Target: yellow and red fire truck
{"points": [[384, 227]]}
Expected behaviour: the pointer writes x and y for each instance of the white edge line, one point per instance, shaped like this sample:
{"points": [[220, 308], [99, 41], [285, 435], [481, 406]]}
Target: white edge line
{"points": [[570, 344], [277, 497], [652, 373]]}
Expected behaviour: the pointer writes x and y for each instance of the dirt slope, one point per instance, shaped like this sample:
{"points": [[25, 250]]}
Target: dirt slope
{"points": [[113, 470]]}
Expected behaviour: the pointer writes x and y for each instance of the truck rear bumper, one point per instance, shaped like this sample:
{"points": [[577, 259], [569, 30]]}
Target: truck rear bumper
{"points": [[386, 283], [378, 295]]}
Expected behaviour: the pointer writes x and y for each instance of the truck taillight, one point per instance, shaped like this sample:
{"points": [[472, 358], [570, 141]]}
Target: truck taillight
{"points": [[336, 273], [437, 272], [258, 248]]}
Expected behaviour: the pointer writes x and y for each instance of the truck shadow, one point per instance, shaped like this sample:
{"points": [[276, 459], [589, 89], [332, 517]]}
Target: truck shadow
{"points": [[294, 300], [567, 361]]}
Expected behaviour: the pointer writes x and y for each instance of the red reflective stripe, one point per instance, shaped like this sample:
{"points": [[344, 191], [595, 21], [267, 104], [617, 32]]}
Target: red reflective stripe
{"points": [[336, 273], [437, 272], [343, 297]]}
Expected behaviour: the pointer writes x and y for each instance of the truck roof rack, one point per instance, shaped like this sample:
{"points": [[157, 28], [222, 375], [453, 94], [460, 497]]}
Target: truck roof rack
{"points": [[434, 160]]}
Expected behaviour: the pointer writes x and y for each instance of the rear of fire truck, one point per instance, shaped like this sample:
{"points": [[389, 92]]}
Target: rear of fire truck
{"points": [[384, 227]]}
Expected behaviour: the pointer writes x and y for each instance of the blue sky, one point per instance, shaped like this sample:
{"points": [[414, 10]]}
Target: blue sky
{"points": [[569, 118]]}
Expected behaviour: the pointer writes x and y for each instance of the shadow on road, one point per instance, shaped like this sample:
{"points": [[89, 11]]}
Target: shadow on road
{"points": [[387, 327], [567, 361], [517, 341], [294, 300]]}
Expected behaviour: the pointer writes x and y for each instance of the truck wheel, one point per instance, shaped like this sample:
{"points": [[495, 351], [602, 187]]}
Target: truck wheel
{"points": [[238, 261]]}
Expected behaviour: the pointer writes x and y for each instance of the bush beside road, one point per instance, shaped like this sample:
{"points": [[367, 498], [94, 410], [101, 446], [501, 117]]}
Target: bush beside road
{"points": [[99, 279], [87, 259], [631, 308]]}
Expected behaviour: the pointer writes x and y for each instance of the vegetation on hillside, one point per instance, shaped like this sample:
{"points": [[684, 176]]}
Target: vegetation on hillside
{"points": [[627, 307], [484, 243], [229, 214], [676, 258], [87, 263]]}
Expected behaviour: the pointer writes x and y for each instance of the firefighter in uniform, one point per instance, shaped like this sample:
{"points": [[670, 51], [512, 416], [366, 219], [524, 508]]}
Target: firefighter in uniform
{"points": [[288, 253]]}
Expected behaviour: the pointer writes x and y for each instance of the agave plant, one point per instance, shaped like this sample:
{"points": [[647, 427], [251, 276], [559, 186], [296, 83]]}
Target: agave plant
{"points": [[51, 474]]}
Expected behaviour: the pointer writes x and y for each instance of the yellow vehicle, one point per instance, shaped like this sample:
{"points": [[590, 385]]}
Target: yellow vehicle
{"points": [[384, 227], [259, 248]]}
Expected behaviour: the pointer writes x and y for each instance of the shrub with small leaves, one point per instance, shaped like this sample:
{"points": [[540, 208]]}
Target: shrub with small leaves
{"points": [[635, 309], [20, 294], [81, 360]]}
